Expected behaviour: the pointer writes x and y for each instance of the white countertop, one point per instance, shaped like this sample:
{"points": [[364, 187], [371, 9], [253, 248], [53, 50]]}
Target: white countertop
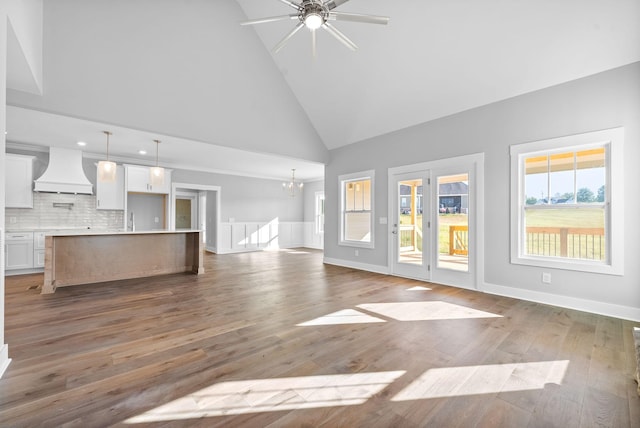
{"points": [[95, 232]]}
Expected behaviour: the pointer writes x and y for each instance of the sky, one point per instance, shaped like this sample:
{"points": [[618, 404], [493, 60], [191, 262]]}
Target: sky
{"points": [[562, 182]]}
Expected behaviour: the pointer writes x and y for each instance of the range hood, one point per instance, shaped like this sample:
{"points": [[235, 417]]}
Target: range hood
{"points": [[64, 174]]}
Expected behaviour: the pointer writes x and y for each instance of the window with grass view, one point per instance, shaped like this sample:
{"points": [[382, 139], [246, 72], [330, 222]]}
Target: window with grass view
{"points": [[357, 215], [564, 202]]}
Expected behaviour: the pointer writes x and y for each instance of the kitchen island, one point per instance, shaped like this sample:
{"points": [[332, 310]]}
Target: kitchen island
{"points": [[73, 258]]}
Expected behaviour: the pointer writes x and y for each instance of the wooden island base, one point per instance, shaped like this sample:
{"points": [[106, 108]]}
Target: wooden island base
{"points": [[72, 259]]}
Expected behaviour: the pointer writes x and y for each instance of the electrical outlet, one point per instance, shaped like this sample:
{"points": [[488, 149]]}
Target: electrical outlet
{"points": [[546, 277], [157, 220], [357, 253], [12, 220]]}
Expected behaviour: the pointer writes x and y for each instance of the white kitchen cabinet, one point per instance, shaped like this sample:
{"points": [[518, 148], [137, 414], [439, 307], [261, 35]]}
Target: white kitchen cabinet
{"points": [[110, 196], [137, 178], [38, 249], [18, 250], [18, 181]]}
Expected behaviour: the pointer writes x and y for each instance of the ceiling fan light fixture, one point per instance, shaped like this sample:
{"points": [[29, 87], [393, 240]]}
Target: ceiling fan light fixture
{"points": [[106, 168], [313, 21]]}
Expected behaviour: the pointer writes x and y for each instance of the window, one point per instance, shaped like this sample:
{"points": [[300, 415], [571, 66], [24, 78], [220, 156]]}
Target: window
{"points": [[567, 202], [319, 212], [356, 226]]}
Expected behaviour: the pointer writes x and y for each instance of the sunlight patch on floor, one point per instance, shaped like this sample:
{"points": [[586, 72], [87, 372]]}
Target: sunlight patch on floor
{"points": [[345, 316], [272, 395], [484, 379], [425, 311], [418, 288]]}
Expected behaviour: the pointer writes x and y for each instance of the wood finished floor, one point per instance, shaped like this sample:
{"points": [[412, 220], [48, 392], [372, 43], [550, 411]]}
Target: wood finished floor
{"points": [[279, 339]]}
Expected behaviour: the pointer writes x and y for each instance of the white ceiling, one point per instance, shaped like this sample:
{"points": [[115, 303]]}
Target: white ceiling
{"points": [[440, 57], [435, 58], [37, 130]]}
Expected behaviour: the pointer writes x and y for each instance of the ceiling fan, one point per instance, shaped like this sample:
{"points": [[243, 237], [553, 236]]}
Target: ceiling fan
{"points": [[315, 14]]}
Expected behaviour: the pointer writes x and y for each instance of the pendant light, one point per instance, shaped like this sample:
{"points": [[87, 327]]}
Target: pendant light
{"points": [[106, 168], [156, 174], [292, 186]]}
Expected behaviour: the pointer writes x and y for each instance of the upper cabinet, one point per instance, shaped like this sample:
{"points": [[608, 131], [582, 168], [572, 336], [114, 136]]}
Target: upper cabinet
{"points": [[137, 179], [110, 196], [18, 181]]}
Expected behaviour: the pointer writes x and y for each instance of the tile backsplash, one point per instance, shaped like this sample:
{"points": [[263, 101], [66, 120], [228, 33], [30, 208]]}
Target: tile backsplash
{"points": [[46, 215]]}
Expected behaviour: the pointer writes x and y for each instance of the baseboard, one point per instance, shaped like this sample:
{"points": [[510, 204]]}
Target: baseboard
{"points": [[600, 308], [595, 307], [313, 247], [4, 359], [356, 265], [13, 272]]}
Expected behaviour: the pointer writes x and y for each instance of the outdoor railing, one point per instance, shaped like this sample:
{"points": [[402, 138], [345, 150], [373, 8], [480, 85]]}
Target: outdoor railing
{"points": [[410, 238], [459, 240], [570, 242]]}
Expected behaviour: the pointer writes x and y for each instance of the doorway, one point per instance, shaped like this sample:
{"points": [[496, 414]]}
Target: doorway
{"points": [[187, 212], [197, 206], [435, 209]]}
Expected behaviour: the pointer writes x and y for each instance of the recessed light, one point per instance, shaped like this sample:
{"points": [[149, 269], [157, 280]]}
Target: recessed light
{"points": [[81, 143], [142, 152]]}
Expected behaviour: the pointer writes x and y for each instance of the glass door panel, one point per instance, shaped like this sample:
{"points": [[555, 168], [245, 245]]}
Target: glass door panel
{"points": [[408, 226], [453, 222]]}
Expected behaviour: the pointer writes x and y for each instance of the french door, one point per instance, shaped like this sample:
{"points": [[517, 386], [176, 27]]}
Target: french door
{"points": [[410, 216], [452, 226], [434, 213]]}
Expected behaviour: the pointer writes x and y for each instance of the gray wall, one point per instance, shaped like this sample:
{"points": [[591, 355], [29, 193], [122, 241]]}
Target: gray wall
{"points": [[212, 231], [147, 208], [247, 199], [602, 101]]}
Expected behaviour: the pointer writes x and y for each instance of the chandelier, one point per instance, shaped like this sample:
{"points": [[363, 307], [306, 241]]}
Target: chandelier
{"points": [[292, 186]]}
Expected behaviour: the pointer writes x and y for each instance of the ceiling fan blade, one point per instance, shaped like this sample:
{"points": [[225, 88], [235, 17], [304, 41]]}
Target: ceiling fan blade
{"points": [[332, 4], [292, 4], [269, 19], [313, 43], [338, 35], [357, 17], [284, 41]]}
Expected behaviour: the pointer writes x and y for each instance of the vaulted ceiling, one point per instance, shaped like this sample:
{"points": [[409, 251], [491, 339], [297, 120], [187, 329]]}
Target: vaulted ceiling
{"points": [[188, 73]]}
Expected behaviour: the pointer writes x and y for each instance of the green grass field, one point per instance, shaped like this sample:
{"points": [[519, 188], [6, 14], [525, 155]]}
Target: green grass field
{"points": [[568, 217], [444, 220]]}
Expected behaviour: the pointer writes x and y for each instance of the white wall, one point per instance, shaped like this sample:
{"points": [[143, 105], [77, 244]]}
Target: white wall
{"points": [[110, 62], [24, 67], [312, 239], [4, 350], [602, 101]]}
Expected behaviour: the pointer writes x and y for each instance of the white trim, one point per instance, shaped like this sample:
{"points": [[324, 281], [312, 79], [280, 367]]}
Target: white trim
{"points": [[475, 163], [192, 186], [592, 306], [4, 359], [613, 140], [384, 270], [362, 175]]}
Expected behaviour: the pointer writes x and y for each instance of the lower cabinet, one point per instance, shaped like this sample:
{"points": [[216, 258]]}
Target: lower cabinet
{"points": [[18, 250], [24, 250], [38, 249]]}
